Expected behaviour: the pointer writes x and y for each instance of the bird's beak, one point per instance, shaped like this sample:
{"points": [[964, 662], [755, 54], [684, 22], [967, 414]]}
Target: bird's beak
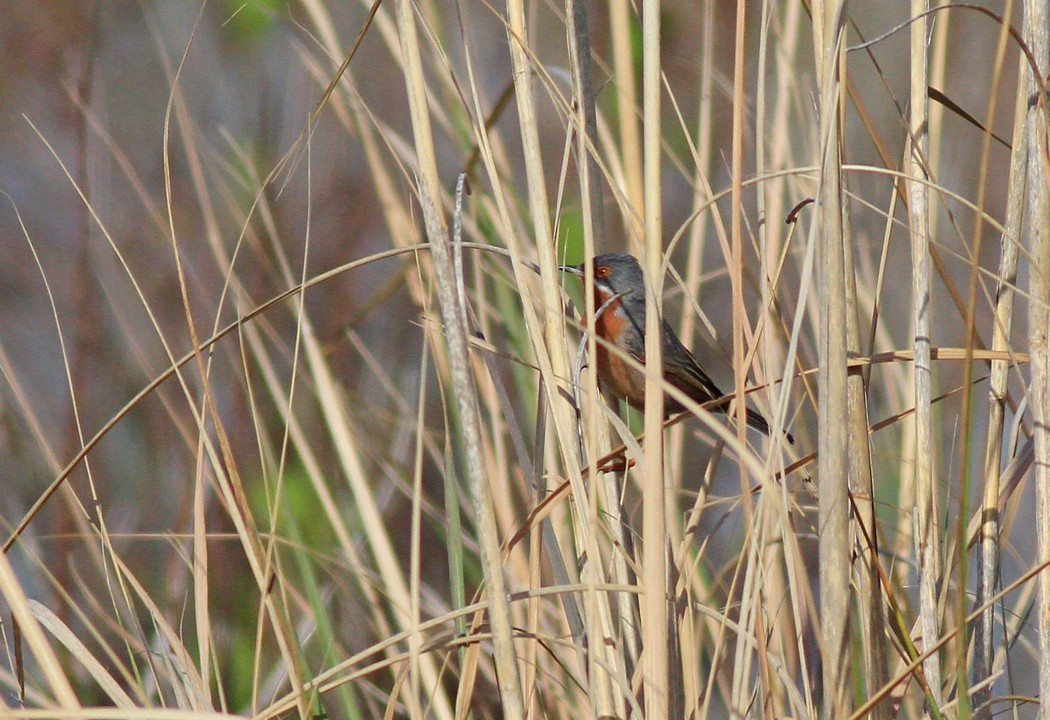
{"points": [[574, 269]]}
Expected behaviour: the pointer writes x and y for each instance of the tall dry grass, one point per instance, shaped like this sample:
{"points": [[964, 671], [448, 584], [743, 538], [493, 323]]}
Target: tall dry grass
{"points": [[348, 458]]}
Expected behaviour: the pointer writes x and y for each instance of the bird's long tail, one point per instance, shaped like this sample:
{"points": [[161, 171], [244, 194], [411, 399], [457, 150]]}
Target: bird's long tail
{"points": [[758, 422]]}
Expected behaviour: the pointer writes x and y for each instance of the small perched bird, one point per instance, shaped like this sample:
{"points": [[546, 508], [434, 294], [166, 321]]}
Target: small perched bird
{"points": [[622, 323]]}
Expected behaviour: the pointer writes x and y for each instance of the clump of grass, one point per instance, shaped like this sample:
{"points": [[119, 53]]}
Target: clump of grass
{"points": [[338, 469]]}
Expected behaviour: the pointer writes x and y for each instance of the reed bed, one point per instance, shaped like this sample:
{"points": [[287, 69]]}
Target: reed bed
{"points": [[304, 424]]}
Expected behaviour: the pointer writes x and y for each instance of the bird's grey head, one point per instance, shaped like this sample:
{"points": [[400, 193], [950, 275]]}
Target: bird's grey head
{"points": [[614, 274], [617, 273]]}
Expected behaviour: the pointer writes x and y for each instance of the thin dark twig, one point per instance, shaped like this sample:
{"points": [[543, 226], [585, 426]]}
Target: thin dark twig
{"points": [[1014, 33]]}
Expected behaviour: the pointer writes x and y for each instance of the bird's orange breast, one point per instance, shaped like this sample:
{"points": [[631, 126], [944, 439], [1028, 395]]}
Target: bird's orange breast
{"points": [[617, 377]]}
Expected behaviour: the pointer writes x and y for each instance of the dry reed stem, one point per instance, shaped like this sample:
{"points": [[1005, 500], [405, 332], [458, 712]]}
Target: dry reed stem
{"points": [[606, 656], [991, 520], [751, 609], [865, 536], [829, 32], [928, 549], [656, 671], [630, 145], [1037, 36]]}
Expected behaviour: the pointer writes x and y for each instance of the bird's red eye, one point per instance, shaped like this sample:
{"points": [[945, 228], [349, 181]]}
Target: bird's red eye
{"points": [[602, 271]]}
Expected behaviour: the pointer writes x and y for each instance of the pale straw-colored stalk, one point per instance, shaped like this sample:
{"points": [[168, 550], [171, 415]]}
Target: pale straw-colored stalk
{"points": [[991, 520], [751, 611], [776, 136], [927, 536], [1037, 36], [865, 536], [655, 653], [630, 144], [988, 556], [602, 646], [829, 30]]}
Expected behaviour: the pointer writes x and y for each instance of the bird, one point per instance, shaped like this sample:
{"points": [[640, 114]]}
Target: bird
{"points": [[618, 281]]}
